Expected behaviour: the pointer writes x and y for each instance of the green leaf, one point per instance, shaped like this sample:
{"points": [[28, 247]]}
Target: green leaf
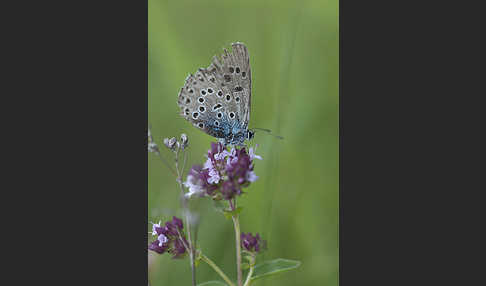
{"points": [[245, 265], [230, 214], [275, 266], [212, 283], [227, 214]]}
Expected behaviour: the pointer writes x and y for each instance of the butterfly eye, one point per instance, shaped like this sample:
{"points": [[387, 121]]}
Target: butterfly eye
{"points": [[202, 109], [231, 70], [216, 123], [201, 100], [195, 115], [203, 91], [212, 79], [191, 91], [228, 97], [187, 111], [243, 74], [238, 88], [217, 106], [237, 70], [188, 100], [232, 114], [220, 93], [237, 99], [210, 90], [201, 125], [220, 115]]}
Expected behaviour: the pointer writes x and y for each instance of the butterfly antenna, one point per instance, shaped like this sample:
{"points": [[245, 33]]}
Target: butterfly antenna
{"points": [[269, 132]]}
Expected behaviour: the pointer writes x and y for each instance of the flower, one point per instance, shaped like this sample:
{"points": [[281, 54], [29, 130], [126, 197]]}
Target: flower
{"points": [[156, 228], [170, 238], [252, 154], [197, 182], [155, 246], [252, 243], [224, 173], [171, 143], [162, 239]]}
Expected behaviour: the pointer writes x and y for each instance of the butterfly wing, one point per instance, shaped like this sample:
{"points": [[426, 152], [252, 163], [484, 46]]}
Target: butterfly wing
{"points": [[221, 91], [236, 75]]}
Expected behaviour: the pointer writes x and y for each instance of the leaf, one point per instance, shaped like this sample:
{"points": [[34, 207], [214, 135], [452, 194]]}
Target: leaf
{"points": [[212, 283], [230, 214], [227, 214], [245, 265], [275, 266]]}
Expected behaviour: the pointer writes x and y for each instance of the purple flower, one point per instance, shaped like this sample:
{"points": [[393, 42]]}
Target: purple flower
{"points": [[194, 182], [162, 239], [224, 173], [197, 182], [179, 249], [214, 176], [177, 222], [229, 189], [170, 238], [156, 229], [252, 243], [157, 247]]}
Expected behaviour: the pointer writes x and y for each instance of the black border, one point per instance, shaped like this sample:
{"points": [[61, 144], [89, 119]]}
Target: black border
{"points": [[80, 143], [409, 143]]}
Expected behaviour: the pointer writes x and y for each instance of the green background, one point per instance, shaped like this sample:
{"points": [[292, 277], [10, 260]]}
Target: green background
{"points": [[294, 58]]}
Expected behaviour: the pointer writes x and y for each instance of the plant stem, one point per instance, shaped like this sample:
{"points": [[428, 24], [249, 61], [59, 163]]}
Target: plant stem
{"points": [[236, 222], [217, 269], [186, 217], [248, 278], [166, 164]]}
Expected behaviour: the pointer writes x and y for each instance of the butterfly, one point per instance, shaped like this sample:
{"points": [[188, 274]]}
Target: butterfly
{"points": [[217, 99]]}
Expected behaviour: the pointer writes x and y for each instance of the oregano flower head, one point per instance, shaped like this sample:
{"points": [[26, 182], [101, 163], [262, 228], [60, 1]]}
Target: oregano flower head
{"points": [[224, 174], [170, 238]]}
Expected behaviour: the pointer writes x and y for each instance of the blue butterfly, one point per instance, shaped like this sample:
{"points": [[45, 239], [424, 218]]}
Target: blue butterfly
{"points": [[217, 99]]}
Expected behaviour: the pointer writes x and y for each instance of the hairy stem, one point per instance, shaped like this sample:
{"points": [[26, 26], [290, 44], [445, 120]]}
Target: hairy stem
{"points": [[217, 269], [186, 217], [236, 222]]}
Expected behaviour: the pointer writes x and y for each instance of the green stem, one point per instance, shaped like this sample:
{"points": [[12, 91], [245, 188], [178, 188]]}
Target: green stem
{"points": [[251, 260], [236, 222], [248, 278], [185, 208], [217, 269]]}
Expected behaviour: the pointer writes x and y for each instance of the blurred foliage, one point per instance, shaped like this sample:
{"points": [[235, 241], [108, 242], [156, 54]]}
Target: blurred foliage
{"points": [[294, 57]]}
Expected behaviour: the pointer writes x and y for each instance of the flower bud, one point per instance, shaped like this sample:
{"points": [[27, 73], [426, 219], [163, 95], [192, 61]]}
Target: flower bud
{"points": [[252, 243], [184, 140], [170, 143]]}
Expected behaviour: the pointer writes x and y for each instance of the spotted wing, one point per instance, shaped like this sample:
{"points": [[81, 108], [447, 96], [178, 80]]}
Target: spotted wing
{"points": [[220, 92]]}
